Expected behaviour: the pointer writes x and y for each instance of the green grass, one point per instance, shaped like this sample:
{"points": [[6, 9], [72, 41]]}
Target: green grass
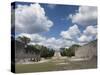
{"points": [[51, 66], [35, 67]]}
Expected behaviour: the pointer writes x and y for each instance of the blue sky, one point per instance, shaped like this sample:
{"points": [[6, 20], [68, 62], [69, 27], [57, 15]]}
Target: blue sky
{"points": [[58, 15], [54, 23]]}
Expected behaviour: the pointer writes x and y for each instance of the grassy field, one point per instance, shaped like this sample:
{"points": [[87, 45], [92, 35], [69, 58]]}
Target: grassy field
{"points": [[56, 65]]}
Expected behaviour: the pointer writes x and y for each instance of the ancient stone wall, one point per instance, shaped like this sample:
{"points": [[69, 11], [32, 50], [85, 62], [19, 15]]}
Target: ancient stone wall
{"points": [[21, 54], [87, 51]]}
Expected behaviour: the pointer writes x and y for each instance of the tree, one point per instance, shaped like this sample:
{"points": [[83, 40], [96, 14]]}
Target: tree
{"points": [[24, 39], [33, 52], [46, 52], [71, 50], [63, 51], [51, 53]]}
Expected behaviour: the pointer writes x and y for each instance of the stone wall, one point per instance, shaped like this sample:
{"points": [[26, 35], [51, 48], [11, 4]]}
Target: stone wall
{"points": [[21, 54], [87, 51]]}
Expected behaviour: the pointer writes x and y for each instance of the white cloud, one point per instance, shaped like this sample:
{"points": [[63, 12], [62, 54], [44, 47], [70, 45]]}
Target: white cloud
{"points": [[23, 34], [31, 19], [86, 15], [51, 42], [57, 43], [89, 34], [71, 33], [85, 39], [90, 30], [74, 34], [36, 38]]}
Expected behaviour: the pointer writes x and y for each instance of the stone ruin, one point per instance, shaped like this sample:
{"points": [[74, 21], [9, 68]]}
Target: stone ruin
{"points": [[87, 51], [57, 55]]}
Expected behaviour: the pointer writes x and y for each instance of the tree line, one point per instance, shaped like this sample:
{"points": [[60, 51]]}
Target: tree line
{"points": [[39, 51], [69, 51], [36, 52]]}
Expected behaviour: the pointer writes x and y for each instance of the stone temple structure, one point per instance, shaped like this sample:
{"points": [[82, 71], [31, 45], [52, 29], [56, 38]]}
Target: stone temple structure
{"points": [[21, 54], [87, 51], [57, 55]]}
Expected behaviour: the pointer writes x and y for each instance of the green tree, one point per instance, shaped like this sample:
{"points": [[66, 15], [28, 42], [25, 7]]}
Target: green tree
{"points": [[51, 52], [33, 52], [71, 50], [24, 39], [63, 51], [46, 52]]}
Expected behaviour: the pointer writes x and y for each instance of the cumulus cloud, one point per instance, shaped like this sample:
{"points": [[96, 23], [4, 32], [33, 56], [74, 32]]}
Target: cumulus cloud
{"points": [[50, 42], [89, 34], [85, 39], [91, 30], [31, 19], [86, 15], [74, 34], [57, 43], [71, 33], [22, 35], [36, 38]]}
